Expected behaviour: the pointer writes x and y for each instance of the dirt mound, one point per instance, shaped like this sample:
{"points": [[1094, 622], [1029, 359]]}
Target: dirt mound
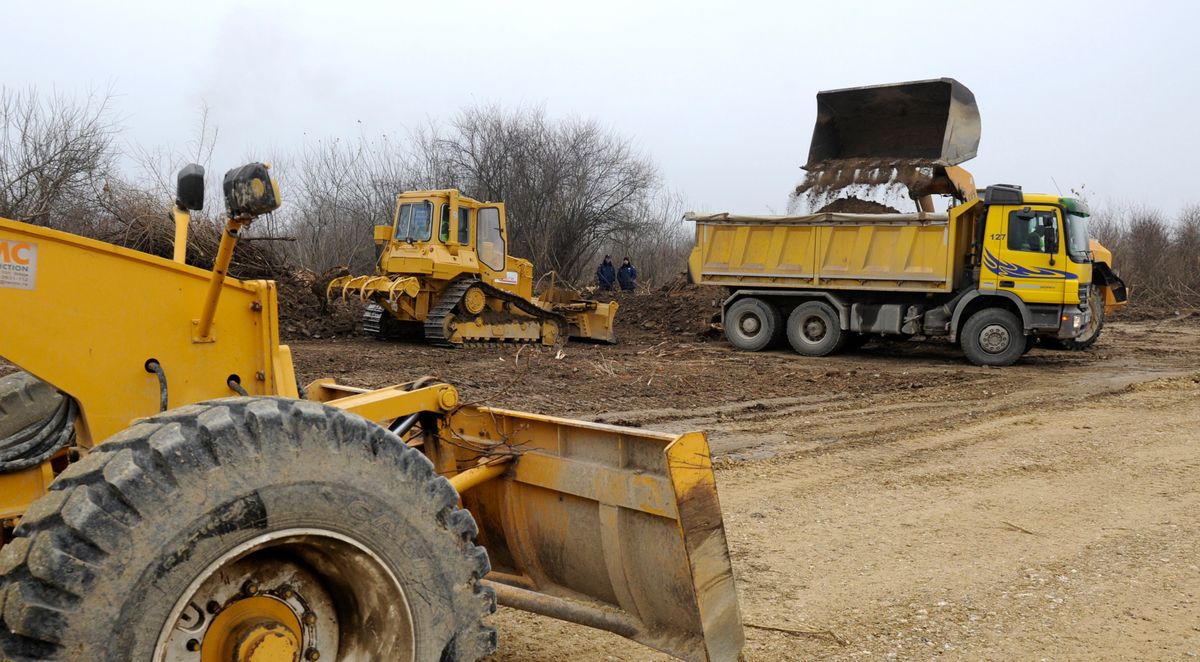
{"points": [[853, 205], [676, 308], [301, 316]]}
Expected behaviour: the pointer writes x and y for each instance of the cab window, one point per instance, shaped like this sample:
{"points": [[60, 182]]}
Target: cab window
{"points": [[464, 225], [415, 222], [444, 227], [1028, 230], [490, 239]]}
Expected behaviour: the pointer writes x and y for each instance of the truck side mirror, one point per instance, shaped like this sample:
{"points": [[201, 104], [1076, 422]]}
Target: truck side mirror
{"points": [[189, 187], [1050, 233]]}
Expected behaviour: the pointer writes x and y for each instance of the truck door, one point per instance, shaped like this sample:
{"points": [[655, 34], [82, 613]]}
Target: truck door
{"points": [[1023, 253]]}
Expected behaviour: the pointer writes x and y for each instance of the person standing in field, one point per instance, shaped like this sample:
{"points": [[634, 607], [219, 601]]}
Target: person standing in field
{"points": [[627, 276], [606, 275]]}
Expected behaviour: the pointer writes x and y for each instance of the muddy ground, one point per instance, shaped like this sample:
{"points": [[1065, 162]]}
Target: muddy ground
{"points": [[891, 503], [896, 502]]}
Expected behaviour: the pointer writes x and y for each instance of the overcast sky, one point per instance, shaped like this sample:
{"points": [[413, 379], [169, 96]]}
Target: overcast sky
{"points": [[720, 95]]}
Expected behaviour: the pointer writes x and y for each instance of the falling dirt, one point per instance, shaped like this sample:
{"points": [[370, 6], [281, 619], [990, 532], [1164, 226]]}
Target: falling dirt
{"points": [[859, 178]]}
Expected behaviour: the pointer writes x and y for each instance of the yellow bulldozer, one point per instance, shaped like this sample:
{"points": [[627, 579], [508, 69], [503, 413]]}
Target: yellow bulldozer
{"points": [[444, 274], [175, 496]]}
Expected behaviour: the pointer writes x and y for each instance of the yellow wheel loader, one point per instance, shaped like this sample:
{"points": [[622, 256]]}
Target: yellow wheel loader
{"points": [[444, 274], [174, 496]]}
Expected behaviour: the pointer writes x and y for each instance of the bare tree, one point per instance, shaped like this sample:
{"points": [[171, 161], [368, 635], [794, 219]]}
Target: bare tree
{"points": [[568, 186], [55, 157], [339, 191]]}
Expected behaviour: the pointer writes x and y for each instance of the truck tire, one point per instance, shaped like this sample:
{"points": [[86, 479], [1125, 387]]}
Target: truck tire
{"points": [[241, 523], [1091, 334], [751, 324], [993, 336], [813, 329]]}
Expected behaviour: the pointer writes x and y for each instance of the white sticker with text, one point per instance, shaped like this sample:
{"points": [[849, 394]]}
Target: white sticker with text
{"points": [[18, 264]]}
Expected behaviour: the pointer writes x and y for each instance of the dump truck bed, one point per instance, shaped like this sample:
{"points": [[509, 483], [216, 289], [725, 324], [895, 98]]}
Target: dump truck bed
{"points": [[920, 252]]}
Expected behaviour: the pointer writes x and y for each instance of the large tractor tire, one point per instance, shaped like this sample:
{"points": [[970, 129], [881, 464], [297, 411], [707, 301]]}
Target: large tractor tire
{"points": [[36, 422], [1091, 334], [993, 337], [813, 329], [245, 527], [752, 324], [25, 400]]}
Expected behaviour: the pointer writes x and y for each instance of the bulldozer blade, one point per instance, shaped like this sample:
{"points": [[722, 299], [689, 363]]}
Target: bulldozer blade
{"points": [[614, 528], [918, 123]]}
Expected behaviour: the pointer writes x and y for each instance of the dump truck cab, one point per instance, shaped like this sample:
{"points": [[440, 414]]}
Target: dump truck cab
{"points": [[445, 234], [1035, 251]]}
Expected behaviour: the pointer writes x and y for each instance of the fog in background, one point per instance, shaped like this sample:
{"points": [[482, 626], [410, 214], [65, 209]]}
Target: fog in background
{"points": [[719, 95]]}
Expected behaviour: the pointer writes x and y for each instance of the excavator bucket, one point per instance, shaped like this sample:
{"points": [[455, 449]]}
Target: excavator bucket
{"points": [[614, 528], [919, 123]]}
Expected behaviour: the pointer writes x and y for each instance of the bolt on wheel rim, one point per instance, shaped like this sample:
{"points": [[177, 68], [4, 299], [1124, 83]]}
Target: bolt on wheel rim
{"points": [[304, 594], [994, 339]]}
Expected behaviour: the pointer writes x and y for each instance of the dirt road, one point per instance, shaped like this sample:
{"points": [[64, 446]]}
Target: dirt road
{"points": [[898, 502]]}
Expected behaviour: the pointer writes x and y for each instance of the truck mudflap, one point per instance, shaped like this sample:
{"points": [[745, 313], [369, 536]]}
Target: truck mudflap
{"points": [[609, 527]]}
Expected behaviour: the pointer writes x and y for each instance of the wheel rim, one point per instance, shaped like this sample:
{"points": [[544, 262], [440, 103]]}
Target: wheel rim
{"points": [[302, 594], [994, 338], [749, 325], [813, 329]]}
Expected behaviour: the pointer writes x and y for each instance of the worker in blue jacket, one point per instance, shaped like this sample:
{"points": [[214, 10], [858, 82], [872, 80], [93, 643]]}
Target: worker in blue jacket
{"points": [[627, 276], [606, 275]]}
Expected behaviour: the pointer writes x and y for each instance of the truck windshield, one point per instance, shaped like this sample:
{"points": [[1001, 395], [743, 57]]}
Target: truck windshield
{"points": [[1078, 244]]}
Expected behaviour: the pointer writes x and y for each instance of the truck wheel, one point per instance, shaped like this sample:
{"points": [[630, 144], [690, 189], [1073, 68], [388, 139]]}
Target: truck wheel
{"points": [[242, 527], [751, 324], [1091, 334], [993, 336], [813, 329]]}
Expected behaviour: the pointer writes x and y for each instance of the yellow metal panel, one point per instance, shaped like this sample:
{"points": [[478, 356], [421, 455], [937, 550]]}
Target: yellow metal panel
{"points": [[95, 313], [21, 488], [861, 253]]}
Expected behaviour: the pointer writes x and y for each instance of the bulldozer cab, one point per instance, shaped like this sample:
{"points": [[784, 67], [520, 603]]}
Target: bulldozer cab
{"points": [[444, 233]]}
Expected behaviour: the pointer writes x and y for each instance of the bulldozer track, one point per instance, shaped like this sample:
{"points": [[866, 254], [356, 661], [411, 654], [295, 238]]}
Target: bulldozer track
{"points": [[372, 320], [435, 321]]}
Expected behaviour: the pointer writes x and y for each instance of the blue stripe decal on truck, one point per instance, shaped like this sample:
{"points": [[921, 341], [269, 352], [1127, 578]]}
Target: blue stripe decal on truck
{"points": [[1010, 270]]}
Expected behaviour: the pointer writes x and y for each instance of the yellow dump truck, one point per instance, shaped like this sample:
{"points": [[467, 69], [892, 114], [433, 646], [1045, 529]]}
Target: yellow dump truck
{"points": [[993, 273], [168, 492]]}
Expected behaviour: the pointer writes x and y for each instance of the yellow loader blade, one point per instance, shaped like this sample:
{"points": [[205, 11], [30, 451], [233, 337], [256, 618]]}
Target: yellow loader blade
{"points": [[614, 528], [925, 122]]}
